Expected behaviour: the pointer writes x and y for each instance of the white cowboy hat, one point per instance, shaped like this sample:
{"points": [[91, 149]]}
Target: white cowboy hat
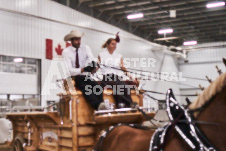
{"points": [[73, 34]]}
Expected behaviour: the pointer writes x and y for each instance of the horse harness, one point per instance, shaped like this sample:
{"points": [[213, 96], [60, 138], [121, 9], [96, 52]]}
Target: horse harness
{"points": [[184, 124], [181, 120]]}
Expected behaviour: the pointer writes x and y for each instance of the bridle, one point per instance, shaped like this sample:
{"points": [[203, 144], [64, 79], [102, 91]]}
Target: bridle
{"points": [[206, 146], [198, 141]]}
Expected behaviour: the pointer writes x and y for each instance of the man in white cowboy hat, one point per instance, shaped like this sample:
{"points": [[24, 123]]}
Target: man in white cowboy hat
{"points": [[76, 57]]}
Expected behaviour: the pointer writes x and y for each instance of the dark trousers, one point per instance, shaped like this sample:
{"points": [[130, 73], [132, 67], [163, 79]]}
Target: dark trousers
{"points": [[81, 83], [114, 81]]}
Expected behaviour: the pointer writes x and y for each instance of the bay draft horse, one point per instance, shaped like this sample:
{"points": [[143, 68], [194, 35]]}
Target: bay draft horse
{"points": [[210, 117]]}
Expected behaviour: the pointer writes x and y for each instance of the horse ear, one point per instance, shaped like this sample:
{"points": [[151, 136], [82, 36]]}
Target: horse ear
{"points": [[170, 94], [173, 108], [224, 61], [188, 101]]}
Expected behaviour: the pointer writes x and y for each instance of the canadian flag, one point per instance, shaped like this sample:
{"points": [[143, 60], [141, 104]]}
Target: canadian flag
{"points": [[55, 48]]}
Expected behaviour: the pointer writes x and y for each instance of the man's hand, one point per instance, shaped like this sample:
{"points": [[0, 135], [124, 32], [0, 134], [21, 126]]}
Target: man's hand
{"points": [[94, 70], [90, 67], [82, 70], [136, 82]]}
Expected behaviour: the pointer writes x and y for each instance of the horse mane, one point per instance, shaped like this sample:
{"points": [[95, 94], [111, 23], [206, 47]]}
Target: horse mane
{"points": [[214, 88]]}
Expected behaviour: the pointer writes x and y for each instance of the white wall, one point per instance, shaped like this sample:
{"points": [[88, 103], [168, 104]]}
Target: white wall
{"points": [[27, 23], [202, 61], [5, 130], [16, 83]]}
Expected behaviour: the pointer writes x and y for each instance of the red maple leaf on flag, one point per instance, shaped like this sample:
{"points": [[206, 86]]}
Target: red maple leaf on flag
{"points": [[59, 50]]}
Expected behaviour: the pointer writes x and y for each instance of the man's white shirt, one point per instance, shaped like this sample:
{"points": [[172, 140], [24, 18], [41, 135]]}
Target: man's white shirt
{"points": [[85, 57]]}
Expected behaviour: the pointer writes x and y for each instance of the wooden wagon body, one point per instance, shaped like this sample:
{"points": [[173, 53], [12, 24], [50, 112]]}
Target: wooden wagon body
{"points": [[74, 128]]}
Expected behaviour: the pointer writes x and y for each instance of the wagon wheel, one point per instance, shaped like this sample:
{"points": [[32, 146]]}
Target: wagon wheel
{"points": [[18, 144]]}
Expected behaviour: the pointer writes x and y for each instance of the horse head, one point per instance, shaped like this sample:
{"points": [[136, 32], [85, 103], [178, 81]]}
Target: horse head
{"points": [[224, 61], [200, 126], [210, 110]]}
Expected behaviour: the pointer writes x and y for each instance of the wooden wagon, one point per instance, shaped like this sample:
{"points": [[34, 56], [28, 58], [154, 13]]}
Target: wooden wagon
{"points": [[75, 127]]}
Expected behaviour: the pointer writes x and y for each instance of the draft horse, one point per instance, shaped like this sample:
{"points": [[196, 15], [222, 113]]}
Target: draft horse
{"points": [[200, 127]]}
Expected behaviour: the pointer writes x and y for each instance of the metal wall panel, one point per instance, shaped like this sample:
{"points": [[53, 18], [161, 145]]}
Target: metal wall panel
{"points": [[207, 55], [202, 60], [16, 83], [200, 70]]}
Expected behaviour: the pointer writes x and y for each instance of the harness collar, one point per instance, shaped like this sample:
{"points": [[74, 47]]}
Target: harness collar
{"points": [[187, 129]]}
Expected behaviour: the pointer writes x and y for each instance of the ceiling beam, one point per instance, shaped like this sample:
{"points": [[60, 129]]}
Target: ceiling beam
{"points": [[157, 10], [191, 34], [209, 40], [190, 18], [150, 8], [100, 3], [143, 4], [164, 12], [217, 24], [177, 22], [82, 1], [187, 33], [209, 33], [193, 20]]}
